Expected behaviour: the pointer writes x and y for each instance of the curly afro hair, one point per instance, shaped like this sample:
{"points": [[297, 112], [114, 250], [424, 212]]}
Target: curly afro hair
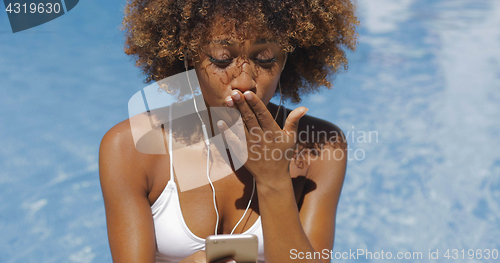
{"points": [[158, 34]]}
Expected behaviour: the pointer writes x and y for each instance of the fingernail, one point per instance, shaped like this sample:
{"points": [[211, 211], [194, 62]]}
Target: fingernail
{"points": [[248, 95], [229, 101], [235, 95], [304, 113], [220, 124]]}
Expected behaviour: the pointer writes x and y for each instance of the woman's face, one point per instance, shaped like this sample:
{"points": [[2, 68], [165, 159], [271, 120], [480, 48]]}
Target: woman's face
{"points": [[226, 64]]}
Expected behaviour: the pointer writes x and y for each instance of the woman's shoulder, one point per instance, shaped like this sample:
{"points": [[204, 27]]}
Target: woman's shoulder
{"points": [[309, 126], [119, 137], [313, 130], [139, 136], [323, 149], [118, 148], [121, 164], [319, 124]]}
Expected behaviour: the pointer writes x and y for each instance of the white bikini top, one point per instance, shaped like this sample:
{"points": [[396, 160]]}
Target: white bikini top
{"points": [[174, 240]]}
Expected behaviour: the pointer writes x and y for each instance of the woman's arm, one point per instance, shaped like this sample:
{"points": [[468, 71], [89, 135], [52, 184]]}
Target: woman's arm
{"points": [[319, 207], [288, 232], [124, 187], [125, 190]]}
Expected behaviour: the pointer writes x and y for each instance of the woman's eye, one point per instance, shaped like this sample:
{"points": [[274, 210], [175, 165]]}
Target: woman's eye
{"points": [[225, 62], [220, 61], [266, 61]]}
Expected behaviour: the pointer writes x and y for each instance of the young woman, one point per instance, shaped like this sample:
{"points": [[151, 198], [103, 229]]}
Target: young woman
{"points": [[244, 53]]}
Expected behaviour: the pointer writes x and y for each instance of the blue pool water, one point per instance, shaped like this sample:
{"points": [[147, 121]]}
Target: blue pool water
{"points": [[425, 81]]}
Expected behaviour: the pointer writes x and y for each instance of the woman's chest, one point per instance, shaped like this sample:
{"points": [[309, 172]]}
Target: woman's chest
{"points": [[195, 193], [233, 194]]}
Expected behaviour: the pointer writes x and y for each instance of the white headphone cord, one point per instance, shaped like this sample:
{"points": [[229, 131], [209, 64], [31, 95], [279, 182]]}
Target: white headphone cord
{"points": [[248, 206], [203, 126], [215, 204], [213, 190], [281, 99], [207, 143]]}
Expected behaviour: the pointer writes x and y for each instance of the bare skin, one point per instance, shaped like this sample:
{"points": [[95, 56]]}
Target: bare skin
{"points": [[297, 201]]}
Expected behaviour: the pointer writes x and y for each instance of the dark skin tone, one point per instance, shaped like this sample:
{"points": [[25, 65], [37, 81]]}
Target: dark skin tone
{"points": [[297, 201]]}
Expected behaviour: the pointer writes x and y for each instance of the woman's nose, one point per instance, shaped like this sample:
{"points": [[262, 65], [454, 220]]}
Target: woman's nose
{"points": [[243, 78]]}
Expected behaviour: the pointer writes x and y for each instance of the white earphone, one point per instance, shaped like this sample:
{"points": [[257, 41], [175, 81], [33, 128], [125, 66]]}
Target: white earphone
{"points": [[207, 143]]}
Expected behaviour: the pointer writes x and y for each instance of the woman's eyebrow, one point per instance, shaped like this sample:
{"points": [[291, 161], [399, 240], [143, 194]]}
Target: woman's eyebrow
{"points": [[261, 41], [225, 42], [231, 42]]}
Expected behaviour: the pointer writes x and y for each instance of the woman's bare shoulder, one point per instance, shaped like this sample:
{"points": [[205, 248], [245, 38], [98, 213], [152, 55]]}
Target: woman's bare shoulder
{"points": [[118, 153], [315, 130], [324, 149], [119, 158], [320, 124], [119, 138]]}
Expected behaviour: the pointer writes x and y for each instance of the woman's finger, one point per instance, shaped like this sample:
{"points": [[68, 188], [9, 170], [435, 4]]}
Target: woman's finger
{"points": [[225, 260], [247, 114], [292, 121], [236, 142], [264, 117]]}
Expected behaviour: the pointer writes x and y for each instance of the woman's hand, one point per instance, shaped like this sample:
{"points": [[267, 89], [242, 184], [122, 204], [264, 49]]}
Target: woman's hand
{"points": [[269, 147], [201, 257], [197, 257], [225, 260]]}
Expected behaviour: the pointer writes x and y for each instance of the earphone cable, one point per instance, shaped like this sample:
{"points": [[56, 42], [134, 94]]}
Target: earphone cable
{"points": [[213, 191], [248, 206], [279, 106], [207, 143]]}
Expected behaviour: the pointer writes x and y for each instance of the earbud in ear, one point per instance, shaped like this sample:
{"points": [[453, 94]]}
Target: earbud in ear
{"points": [[186, 62]]}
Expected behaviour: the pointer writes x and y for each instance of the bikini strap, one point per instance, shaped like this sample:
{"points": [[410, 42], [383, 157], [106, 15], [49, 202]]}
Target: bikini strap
{"points": [[170, 152]]}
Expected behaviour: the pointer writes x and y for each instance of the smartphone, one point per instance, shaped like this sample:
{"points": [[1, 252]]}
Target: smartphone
{"points": [[242, 248]]}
